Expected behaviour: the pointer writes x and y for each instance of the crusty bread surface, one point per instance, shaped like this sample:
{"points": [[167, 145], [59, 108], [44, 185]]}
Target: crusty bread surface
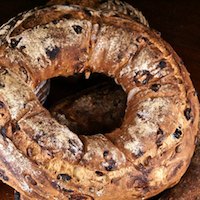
{"points": [[43, 159]]}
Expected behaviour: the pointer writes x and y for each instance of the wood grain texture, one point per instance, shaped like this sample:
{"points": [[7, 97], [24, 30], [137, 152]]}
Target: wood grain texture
{"points": [[178, 21]]}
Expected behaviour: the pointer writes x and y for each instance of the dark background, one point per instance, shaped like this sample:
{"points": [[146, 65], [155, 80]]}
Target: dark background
{"points": [[177, 20]]}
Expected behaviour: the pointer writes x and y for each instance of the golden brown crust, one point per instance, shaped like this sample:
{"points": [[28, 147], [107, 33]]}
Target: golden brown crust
{"points": [[147, 154], [187, 187]]}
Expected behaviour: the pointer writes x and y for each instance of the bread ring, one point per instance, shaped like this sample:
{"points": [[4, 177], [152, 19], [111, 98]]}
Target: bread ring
{"points": [[147, 154]]}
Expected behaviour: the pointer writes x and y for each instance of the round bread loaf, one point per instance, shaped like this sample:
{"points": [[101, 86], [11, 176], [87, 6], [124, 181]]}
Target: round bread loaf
{"points": [[43, 159]]}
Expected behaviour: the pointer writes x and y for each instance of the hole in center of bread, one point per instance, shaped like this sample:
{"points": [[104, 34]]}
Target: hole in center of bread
{"points": [[87, 106]]}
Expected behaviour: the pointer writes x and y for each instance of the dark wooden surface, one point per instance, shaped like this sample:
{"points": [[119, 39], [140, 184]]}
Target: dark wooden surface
{"points": [[177, 20]]}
